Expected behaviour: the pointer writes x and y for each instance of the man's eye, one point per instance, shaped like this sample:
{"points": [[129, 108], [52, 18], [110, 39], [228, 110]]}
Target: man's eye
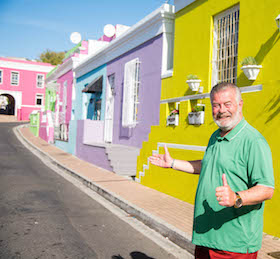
{"points": [[228, 105]]}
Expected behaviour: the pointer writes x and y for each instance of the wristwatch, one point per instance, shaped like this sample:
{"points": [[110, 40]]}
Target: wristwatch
{"points": [[238, 202]]}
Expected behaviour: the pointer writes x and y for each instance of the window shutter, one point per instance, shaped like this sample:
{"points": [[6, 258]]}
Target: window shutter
{"points": [[129, 92]]}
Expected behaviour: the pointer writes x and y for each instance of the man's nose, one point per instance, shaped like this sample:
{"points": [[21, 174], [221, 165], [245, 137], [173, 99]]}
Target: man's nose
{"points": [[223, 108]]}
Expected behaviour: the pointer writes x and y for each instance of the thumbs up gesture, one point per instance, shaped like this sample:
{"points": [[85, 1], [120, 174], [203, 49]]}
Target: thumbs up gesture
{"points": [[225, 196]]}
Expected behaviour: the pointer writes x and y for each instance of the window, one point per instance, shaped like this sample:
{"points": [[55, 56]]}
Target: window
{"points": [[40, 81], [1, 76], [130, 93], [39, 99], [226, 26], [14, 78]]}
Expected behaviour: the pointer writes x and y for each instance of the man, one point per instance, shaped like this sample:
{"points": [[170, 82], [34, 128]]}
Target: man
{"points": [[236, 176]]}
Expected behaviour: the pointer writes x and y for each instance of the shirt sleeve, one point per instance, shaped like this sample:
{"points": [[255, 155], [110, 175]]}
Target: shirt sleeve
{"points": [[260, 168]]}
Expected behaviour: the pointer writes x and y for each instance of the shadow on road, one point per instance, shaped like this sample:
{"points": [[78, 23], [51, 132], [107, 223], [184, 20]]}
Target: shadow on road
{"points": [[134, 255]]}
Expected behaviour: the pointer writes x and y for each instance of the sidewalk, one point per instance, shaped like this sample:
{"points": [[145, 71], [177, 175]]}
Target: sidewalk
{"points": [[7, 118], [169, 216]]}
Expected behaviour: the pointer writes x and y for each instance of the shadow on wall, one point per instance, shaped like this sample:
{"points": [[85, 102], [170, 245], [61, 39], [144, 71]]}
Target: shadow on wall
{"points": [[134, 255], [274, 107], [260, 56]]}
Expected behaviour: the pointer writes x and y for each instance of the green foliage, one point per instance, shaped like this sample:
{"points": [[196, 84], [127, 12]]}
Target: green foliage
{"points": [[52, 57], [249, 61], [192, 77], [198, 108]]}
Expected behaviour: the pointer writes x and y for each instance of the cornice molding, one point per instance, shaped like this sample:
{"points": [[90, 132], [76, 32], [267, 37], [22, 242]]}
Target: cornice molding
{"points": [[25, 66], [63, 69], [152, 25]]}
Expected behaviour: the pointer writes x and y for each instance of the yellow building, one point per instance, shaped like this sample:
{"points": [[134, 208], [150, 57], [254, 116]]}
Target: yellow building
{"points": [[212, 38]]}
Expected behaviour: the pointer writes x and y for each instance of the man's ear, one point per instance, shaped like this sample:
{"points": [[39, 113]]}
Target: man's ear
{"points": [[241, 105]]}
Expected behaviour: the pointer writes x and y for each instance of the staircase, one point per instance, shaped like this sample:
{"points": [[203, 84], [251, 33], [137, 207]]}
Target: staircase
{"points": [[123, 159]]}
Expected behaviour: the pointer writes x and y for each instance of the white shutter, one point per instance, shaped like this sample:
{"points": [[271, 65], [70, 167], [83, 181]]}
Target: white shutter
{"points": [[129, 92]]}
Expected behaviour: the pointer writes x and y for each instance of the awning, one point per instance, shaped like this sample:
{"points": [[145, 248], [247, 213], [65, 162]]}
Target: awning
{"points": [[95, 86]]}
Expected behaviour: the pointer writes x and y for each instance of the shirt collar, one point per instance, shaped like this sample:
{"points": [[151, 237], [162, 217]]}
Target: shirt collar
{"points": [[234, 132]]}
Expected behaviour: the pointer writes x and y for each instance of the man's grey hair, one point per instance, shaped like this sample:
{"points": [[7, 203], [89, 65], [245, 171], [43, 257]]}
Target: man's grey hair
{"points": [[223, 86]]}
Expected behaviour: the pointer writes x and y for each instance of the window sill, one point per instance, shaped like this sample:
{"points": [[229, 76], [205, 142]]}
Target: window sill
{"points": [[166, 74]]}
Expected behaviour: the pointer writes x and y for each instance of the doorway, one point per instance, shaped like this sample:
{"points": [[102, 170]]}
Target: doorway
{"points": [[7, 104]]}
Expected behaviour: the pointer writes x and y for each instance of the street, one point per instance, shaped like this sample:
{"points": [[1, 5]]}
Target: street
{"points": [[42, 215]]}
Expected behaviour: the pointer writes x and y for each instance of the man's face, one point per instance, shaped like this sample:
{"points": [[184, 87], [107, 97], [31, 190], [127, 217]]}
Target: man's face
{"points": [[227, 113]]}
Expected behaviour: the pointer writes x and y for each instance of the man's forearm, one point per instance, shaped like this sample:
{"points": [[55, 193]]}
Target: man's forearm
{"points": [[256, 195], [192, 167]]}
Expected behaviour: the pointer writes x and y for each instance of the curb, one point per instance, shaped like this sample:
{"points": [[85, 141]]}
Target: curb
{"points": [[175, 235]]}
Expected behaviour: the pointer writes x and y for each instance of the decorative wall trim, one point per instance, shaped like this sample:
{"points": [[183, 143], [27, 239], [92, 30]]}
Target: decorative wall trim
{"points": [[24, 66], [31, 106], [245, 89], [156, 23], [169, 145], [249, 89], [180, 146]]}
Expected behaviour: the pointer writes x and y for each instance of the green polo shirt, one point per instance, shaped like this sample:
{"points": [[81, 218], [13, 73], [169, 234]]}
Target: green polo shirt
{"points": [[245, 157]]}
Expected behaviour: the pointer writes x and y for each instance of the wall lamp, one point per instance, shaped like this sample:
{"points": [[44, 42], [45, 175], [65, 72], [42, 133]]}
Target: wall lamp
{"points": [[278, 21]]}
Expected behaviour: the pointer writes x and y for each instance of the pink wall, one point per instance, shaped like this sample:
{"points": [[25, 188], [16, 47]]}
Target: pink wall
{"points": [[69, 78], [28, 71]]}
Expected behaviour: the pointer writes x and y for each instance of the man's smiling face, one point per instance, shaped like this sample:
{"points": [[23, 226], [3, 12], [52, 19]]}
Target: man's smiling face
{"points": [[226, 109]]}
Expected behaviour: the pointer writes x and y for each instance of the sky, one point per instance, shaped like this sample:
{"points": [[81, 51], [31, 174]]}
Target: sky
{"points": [[30, 27]]}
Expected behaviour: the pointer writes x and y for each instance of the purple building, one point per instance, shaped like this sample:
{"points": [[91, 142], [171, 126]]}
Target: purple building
{"points": [[122, 82]]}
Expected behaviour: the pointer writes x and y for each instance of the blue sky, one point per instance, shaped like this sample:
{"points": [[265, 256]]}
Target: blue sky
{"points": [[29, 27]]}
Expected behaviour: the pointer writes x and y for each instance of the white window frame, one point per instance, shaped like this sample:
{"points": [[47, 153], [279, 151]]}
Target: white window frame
{"points": [[228, 63], [37, 97], [1, 76], [131, 93], [38, 81], [64, 100], [17, 82]]}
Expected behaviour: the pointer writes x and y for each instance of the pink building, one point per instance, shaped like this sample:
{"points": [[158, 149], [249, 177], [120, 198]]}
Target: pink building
{"points": [[22, 86]]}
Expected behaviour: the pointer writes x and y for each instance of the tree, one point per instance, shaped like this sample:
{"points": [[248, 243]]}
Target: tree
{"points": [[52, 57]]}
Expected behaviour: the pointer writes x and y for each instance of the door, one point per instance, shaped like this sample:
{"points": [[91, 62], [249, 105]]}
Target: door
{"points": [[109, 109]]}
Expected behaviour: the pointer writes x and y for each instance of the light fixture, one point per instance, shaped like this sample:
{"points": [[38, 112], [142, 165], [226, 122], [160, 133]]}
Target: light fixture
{"points": [[278, 21]]}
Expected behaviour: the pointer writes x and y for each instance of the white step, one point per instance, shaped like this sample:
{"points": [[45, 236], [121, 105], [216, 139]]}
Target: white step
{"points": [[123, 159]]}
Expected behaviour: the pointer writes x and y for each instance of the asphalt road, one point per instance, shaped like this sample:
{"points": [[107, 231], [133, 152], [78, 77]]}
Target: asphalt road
{"points": [[42, 215]]}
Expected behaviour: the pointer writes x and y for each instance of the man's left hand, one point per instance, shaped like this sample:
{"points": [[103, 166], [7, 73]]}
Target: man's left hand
{"points": [[225, 195]]}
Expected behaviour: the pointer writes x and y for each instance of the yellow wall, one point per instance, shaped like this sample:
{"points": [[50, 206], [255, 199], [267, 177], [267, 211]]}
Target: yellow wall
{"points": [[258, 37]]}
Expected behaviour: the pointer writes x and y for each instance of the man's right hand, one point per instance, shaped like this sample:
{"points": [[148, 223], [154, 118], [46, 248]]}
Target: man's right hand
{"points": [[162, 160]]}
